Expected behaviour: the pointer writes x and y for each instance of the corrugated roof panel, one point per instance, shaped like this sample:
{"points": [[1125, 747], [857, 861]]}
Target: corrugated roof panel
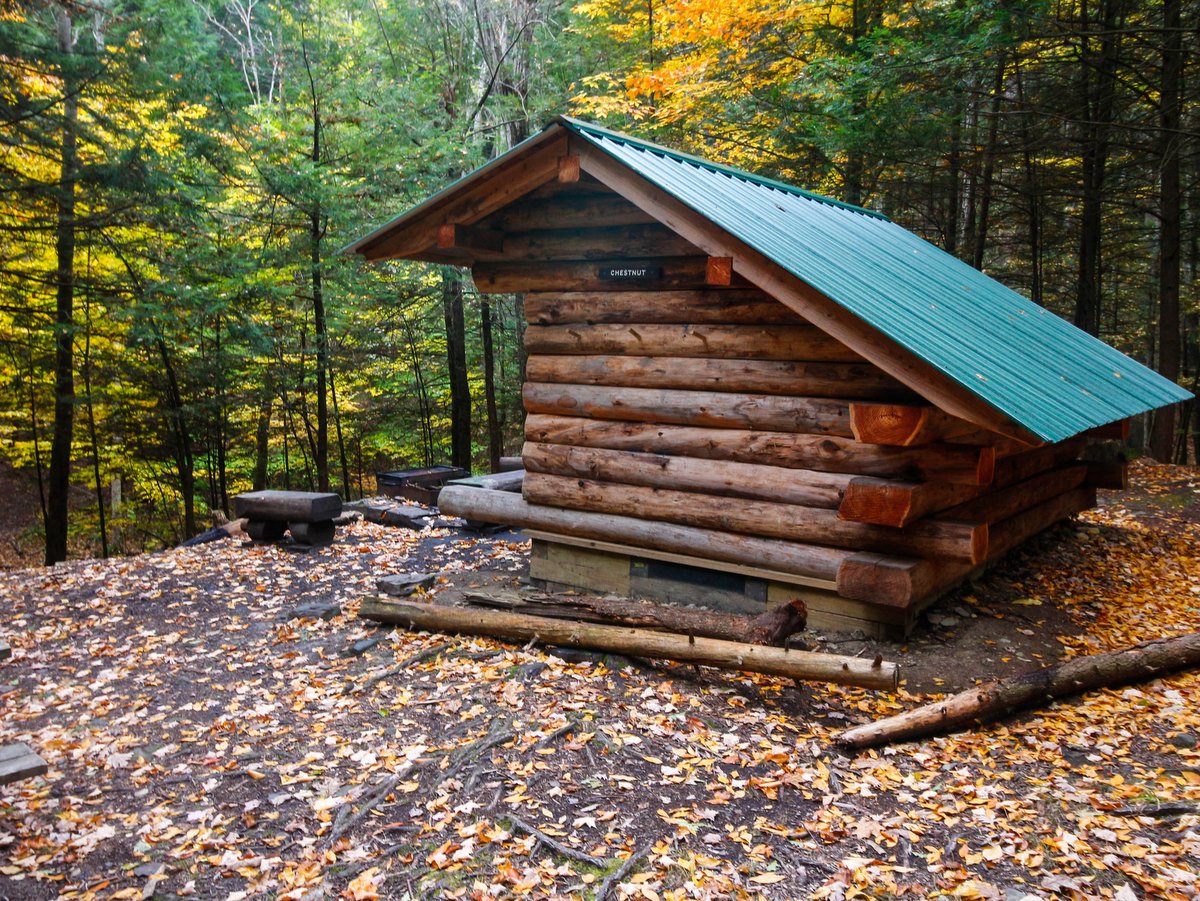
{"points": [[1040, 370]]}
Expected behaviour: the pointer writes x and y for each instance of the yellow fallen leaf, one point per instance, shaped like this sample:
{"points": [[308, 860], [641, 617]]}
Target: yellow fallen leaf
{"points": [[362, 887], [768, 878], [1027, 602]]}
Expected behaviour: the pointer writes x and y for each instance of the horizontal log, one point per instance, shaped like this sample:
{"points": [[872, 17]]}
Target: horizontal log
{"points": [[555, 243], [1006, 502], [812, 415], [1014, 468], [707, 306], [1007, 534], [805, 488], [885, 502], [288, 506], [960, 465], [884, 579], [1141, 662], [905, 425], [783, 377], [568, 209], [805, 665], [663, 273], [503, 507], [960, 541], [731, 342]]}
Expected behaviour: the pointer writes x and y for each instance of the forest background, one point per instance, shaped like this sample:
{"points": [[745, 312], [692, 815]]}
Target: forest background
{"points": [[177, 178]]}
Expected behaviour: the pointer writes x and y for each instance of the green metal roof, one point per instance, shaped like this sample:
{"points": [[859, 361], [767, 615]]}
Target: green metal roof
{"points": [[1040, 370]]}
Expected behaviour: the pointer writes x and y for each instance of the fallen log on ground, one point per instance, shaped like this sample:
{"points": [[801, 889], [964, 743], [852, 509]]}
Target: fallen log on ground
{"points": [[772, 627], [731, 655], [1003, 696]]}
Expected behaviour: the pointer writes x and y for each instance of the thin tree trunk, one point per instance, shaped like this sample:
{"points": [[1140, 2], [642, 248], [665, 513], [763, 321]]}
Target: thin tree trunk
{"points": [[495, 440], [262, 441], [1032, 194], [456, 363], [64, 313], [1162, 438], [1098, 81], [989, 167], [91, 415], [337, 424], [185, 463], [316, 234]]}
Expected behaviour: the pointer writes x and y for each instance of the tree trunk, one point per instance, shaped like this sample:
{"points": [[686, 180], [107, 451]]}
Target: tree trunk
{"points": [[1162, 438], [185, 464], [59, 477], [321, 444], [1003, 696], [91, 419], [730, 655], [262, 439], [341, 443], [989, 167], [495, 440], [456, 364], [772, 627], [1098, 81]]}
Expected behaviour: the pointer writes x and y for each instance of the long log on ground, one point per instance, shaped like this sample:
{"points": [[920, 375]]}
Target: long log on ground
{"points": [[950, 540], [731, 342], [729, 655], [811, 415], [786, 377], [662, 273], [807, 488], [772, 627], [934, 462], [905, 425], [706, 306], [813, 561], [983, 703]]}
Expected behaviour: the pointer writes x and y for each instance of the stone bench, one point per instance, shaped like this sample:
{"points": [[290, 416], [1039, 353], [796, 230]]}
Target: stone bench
{"points": [[18, 761], [308, 515]]}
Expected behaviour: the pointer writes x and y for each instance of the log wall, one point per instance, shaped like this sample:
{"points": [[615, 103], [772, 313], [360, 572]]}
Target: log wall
{"points": [[689, 412]]}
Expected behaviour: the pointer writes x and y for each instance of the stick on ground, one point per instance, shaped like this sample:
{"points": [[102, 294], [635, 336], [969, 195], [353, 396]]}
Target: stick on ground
{"points": [[1003, 696]]}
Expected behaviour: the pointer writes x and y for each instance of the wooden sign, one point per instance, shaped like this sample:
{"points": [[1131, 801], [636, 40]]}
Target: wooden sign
{"points": [[631, 273]]}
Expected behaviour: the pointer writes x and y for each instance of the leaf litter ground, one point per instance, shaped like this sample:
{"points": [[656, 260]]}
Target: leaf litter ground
{"points": [[204, 741]]}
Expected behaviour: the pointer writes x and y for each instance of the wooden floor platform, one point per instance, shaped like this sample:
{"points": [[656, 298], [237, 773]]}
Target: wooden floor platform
{"points": [[563, 562], [18, 761]]}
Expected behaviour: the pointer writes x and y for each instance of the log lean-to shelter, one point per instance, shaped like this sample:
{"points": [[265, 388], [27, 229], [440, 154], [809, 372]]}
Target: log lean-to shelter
{"points": [[739, 392]]}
